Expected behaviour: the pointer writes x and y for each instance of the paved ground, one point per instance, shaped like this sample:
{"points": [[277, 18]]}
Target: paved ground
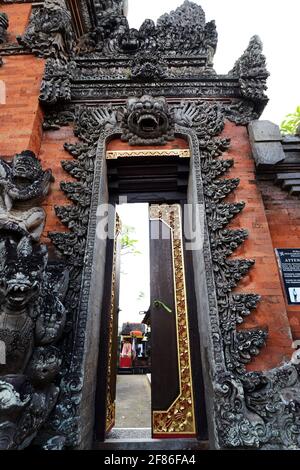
{"points": [[133, 405]]}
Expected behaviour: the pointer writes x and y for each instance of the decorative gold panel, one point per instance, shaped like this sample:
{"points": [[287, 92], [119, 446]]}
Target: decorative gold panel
{"points": [[110, 402], [114, 154], [179, 419]]}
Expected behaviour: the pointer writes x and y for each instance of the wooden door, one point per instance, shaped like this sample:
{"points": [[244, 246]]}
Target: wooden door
{"points": [[107, 362], [171, 375]]}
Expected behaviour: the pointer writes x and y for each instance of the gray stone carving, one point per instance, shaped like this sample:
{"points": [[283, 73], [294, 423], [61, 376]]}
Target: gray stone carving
{"points": [[32, 315], [4, 23], [49, 33], [147, 121], [23, 184], [251, 70], [56, 84]]}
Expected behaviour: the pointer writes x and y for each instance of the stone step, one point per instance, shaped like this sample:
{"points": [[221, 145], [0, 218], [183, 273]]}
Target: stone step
{"points": [[140, 439], [151, 444]]}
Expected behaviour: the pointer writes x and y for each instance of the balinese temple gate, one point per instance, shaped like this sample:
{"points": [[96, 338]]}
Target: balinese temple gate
{"points": [[92, 110]]}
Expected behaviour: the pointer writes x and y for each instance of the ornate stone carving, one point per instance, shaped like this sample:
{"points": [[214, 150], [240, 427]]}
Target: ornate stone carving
{"points": [[108, 7], [251, 70], [88, 124], [147, 121], [32, 316], [148, 67], [23, 184], [56, 84], [206, 119], [55, 119], [183, 32], [262, 414], [32, 319], [22, 271], [243, 112], [4, 23], [49, 33]]}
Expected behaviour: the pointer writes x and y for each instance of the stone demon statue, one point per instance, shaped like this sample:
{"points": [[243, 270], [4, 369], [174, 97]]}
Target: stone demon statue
{"points": [[49, 33], [32, 315], [23, 184]]}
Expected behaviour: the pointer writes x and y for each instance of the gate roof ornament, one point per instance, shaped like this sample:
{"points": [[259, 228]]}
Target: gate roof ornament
{"points": [[111, 60]]}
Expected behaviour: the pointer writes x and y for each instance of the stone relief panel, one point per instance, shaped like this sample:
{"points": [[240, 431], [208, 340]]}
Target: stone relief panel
{"points": [[32, 314]]}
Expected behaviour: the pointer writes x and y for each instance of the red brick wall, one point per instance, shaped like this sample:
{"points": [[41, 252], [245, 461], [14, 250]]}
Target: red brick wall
{"points": [[283, 214], [21, 116], [264, 278], [18, 18], [51, 154]]}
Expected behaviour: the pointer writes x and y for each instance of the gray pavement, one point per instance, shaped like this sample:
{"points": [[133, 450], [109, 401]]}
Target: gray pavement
{"points": [[133, 403]]}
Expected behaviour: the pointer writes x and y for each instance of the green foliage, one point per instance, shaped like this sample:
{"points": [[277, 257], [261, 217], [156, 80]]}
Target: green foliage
{"points": [[291, 122], [128, 244]]}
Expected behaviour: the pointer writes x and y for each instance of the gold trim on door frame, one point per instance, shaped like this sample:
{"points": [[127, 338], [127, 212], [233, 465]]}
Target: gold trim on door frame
{"points": [[110, 402], [115, 154], [179, 419]]}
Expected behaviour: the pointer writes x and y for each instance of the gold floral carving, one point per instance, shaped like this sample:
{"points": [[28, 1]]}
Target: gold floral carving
{"points": [[114, 154], [110, 402], [179, 419]]}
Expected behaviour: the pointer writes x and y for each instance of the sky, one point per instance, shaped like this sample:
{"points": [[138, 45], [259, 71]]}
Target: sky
{"points": [[275, 21], [277, 24], [135, 268]]}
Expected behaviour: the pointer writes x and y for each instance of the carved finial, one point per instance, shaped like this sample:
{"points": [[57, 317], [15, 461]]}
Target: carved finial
{"points": [[251, 69], [252, 62]]}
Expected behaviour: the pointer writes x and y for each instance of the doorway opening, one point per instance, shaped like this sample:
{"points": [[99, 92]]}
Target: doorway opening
{"points": [[165, 335], [133, 382]]}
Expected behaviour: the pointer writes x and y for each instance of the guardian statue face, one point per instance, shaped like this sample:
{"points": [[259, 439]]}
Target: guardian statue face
{"points": [[25, 169], [21, 273]]}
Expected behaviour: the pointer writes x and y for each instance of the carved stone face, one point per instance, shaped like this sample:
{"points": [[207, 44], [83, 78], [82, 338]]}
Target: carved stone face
{"points": [[45, 365], [25, 178], [148, 121], [25, 169], [21, 273]]}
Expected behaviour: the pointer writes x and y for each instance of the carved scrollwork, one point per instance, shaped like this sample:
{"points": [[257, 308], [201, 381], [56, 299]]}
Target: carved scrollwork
{"points": [[206, 119], [149, 67], [4, 23], [251, 70], [56, 84]]}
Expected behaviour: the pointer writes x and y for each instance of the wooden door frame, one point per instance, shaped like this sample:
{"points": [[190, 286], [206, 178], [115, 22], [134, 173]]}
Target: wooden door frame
{"points": [[196, 363]]}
